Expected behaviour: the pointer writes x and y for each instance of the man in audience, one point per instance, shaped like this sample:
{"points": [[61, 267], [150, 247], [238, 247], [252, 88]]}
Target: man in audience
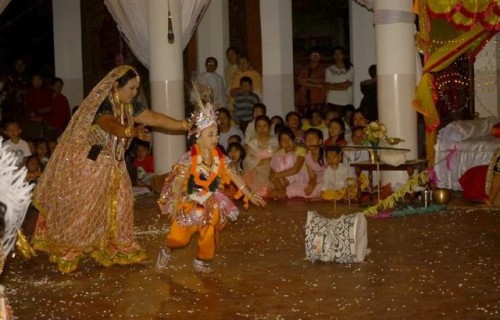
{"points": [[60, 113], [211, 79]]}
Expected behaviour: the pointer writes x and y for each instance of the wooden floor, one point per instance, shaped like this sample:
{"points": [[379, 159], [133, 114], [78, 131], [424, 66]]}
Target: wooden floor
{"points": [[443, 265]]}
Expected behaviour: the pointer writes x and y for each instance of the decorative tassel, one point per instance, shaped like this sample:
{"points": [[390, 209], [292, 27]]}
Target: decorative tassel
{"points": [[391, 201], [24, 247]]}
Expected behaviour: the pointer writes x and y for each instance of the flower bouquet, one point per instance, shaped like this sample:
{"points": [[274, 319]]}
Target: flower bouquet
{"points": [[374, 132]]}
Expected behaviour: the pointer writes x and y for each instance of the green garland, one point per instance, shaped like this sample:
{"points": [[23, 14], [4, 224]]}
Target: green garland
{"points": [[391, 201]]}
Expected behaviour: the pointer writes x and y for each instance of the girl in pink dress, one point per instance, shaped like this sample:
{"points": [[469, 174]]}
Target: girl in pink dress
{"points": [[288, 172], [257, 164], [315, 163]]}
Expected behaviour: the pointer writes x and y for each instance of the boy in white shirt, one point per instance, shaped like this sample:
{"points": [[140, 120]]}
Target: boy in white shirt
{"points": [[337, 184], [15, 144]]}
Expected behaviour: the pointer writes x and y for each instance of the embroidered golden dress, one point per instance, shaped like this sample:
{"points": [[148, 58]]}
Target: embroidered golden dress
{"points": [[86, 206]]}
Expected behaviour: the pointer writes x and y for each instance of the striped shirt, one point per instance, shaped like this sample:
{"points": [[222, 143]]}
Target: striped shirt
{"points": [[243, 106]]}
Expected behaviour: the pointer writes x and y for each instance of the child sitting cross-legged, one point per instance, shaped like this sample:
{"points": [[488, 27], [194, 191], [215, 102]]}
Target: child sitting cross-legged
{"points": [[338, 182]]}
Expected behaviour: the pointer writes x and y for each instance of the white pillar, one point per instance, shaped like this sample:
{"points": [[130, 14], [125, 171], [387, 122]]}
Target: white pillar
{"points": [[486, 91], [362, 39], [277, 56], [166, 79], [68, 48], [213, 35], [396, 76]]}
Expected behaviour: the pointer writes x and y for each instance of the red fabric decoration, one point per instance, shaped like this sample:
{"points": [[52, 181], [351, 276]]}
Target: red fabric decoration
{"points": [[473, 182], [495, 131]]}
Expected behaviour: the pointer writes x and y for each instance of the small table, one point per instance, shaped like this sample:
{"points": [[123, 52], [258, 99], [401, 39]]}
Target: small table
{"points": [[409, 166]]}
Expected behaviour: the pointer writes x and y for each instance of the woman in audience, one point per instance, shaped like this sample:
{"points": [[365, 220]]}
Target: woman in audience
{"points": [[245, 70], [359, 119], [257, 164], [315, 163], [336, 133], [257, 110], [293, 123], [311, 92], [339, 78], [288, 173]]}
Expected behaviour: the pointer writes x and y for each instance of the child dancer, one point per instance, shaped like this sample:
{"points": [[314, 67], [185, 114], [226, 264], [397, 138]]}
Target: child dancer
{"points": [[192, 195]]}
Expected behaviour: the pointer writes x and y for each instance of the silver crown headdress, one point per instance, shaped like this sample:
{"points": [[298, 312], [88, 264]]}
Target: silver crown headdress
{"points": [[204, 114]]}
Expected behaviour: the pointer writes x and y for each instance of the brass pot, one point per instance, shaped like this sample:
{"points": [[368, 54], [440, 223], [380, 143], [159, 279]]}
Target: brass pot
{"points": [[441, 196]]}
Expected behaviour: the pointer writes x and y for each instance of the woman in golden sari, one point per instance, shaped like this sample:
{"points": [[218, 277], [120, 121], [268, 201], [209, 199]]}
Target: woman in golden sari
{"points": [[85, 195]]}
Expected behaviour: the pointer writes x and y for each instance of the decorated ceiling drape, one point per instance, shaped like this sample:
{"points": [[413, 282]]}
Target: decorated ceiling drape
{"points": [[131, 17], [473, 24]]}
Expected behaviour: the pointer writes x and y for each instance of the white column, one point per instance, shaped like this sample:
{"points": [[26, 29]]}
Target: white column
{"points": [[213, 35], [166, 78], [68, 48], [277, 56], [486, 68], [396, 76], [362, 39]]}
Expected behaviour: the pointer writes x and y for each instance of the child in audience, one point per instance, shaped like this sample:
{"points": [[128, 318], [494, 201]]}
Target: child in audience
{"points": [[316, 122], [15, 144], [243, 101], [257, 164], [358, 135], [34, 169], [277, 123], [294, 123], [330, 115], [336, 180], [226, 128], [288, 173], [42, 153], [234, 139], [258, 109], [31, 146], [52, 145], [315, 163], [336, 133], [143, 163], [237, 154], [359, 119]]}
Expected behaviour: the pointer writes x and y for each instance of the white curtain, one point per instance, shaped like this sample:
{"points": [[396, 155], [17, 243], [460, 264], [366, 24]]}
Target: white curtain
{"points": [[131, 17], [3, 5]]}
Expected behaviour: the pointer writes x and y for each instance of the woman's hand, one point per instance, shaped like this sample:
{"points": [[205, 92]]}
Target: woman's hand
{"points": [[141, 133]]}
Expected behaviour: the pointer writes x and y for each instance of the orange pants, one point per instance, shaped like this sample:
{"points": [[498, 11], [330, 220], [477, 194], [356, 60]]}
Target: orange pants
{"points": [[180, 236]]}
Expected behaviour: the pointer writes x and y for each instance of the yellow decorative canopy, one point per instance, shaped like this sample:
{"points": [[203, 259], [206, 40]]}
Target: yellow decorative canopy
{"points": [[466, 14]]}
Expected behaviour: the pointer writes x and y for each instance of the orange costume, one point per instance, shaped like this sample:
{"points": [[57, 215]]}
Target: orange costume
{"points": [[193, 198]]}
